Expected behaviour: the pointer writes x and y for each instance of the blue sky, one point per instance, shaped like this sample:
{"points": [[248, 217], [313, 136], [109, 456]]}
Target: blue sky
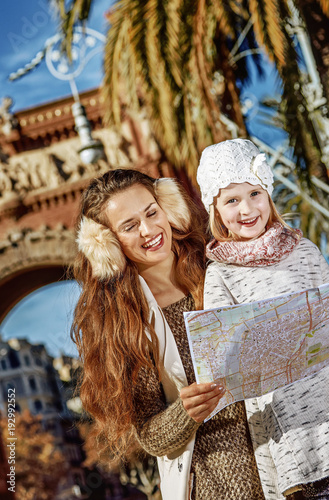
{"points": [[45, 315], [25, 26]]}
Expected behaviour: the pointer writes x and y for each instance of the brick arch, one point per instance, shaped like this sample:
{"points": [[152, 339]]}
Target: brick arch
{"points": [[21, 284], [32, 260]]}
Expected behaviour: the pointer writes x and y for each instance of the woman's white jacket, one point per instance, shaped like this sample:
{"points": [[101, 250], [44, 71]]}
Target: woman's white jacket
{"points": [[174, 469]]}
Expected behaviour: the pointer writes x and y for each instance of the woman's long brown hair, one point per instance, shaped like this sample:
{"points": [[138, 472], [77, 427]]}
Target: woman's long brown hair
{"points": [[112, 317]]}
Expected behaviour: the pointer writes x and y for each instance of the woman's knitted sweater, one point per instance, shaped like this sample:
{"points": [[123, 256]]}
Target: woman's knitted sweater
{"points": [[223, 463], [289, 427]]}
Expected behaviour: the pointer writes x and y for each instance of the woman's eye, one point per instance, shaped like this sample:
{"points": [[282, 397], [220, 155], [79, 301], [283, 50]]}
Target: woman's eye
{"points": [[151, 214], [129, 228]]}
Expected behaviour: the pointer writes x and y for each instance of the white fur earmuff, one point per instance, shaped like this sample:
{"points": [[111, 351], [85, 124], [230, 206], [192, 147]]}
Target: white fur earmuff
{"points": [[173, 203], [101, 247]]}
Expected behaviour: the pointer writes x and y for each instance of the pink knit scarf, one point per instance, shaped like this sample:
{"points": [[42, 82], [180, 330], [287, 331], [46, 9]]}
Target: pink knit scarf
{"points": [[271, 247]]}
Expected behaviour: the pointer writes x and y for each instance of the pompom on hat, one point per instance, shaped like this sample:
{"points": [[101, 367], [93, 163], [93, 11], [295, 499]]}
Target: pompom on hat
{"points": [[232, 161]]}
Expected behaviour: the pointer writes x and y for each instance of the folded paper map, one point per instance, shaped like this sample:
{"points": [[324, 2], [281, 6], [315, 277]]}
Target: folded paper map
{"points": [[258, 347]]}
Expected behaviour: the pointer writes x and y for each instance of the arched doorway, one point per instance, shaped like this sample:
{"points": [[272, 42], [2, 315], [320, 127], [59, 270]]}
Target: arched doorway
{"points": [[44, 316], [18, 285]]}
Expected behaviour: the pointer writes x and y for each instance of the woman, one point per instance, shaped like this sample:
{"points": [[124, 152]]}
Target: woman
{"points": [[141, 265]]}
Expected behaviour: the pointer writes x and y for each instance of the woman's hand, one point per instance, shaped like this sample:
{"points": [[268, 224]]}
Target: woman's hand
{"points": [[199, 400]]}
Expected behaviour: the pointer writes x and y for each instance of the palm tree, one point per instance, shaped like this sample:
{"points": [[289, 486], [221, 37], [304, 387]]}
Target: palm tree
{"points": [[175, 59], [167, 55], [181, 60]]}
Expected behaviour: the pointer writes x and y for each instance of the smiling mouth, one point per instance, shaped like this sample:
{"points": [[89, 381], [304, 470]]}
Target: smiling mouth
{"points": [[248, 222], [154, 242]]}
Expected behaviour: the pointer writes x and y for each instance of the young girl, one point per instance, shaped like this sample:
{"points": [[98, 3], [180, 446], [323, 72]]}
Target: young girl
{"points": [[256, 256]]}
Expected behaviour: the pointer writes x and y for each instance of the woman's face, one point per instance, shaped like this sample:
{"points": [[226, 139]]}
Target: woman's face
{"points": [[140, 225], [244, 209]]}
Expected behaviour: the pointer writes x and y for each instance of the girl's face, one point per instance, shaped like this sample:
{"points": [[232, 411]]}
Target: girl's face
{"points": [[244, 210], [141, 226]]}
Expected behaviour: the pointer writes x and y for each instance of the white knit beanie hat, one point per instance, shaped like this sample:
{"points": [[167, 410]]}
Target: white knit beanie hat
{"points": [[233, 161]]}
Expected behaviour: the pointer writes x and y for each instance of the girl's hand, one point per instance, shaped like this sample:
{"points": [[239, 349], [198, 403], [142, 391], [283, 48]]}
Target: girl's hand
{"points": [[199, 400]]}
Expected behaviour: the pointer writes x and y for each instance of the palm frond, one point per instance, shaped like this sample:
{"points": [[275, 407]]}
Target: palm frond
{"points": [[267, 27], [301, 214], [164, 55], [161, 109], [77, 10], [171, 47]]}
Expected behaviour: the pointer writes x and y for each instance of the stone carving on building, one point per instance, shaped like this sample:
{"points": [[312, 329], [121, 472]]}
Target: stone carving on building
{"points": [[50, 167], [8, 122], [39, 170], [6, 183], [27, 247]]}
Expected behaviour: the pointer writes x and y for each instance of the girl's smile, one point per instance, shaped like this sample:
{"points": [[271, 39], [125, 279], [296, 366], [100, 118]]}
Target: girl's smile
{"points": [[249, 223], [244, 210]]}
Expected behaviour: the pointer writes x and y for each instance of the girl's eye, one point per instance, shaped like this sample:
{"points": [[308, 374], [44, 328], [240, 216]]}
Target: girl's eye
{"points": [[232, 200], [254, 193], [151, 214]]}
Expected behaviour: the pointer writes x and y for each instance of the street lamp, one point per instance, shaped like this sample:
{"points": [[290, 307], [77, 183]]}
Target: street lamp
{"points": [[85, 44]]}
